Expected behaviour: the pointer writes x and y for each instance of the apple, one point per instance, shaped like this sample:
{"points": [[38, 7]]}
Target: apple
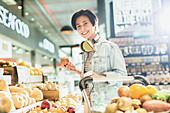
{"points": [[71, 109], [54, 105], [46, 104]]}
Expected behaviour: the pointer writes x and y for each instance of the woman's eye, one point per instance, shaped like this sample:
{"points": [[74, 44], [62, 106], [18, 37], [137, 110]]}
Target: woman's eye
{"points": [[78, 26]]}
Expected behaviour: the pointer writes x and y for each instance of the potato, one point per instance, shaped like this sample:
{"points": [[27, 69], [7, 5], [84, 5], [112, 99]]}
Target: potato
{"points": [[145, 98], [111, 108], [124, 103]]}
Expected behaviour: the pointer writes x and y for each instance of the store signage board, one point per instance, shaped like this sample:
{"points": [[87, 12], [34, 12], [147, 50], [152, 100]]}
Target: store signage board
{"points": [[133, 17], [47, 45], [23, 74], [5, 49], [11, 21]]}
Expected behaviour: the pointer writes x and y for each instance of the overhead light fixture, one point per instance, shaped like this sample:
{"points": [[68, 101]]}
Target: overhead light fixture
{"points": [[41, 26], [32, 19], [66, 30], [51, 59], [45, 57], [26, 13], [46, 31], [15, 48], [19, 7], [10, 2]]}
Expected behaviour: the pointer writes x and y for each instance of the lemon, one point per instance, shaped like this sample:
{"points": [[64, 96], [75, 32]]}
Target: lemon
{"points": [[151, 90], [137, 90]]}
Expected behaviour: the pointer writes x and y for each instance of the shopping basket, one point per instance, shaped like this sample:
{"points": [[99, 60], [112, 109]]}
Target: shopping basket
{"points": [[85, 80]]}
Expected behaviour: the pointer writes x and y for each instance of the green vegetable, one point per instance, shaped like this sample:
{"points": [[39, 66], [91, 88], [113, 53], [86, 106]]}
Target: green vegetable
{"points": [[164, 96]]}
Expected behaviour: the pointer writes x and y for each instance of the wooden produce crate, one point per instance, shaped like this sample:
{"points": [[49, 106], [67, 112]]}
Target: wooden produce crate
{"points": [[13, 72], [51, 94]]}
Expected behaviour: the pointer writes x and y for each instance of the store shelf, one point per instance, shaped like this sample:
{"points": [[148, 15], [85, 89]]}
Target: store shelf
{"points": [[35, 78], [144, 55], [147, 63]]}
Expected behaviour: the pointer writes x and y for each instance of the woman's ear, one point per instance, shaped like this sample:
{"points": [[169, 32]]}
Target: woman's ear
{"points": [[96, 25]]}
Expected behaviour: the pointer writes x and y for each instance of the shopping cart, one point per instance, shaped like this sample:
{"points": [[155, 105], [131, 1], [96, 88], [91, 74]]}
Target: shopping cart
{"points": [[85, 80]]}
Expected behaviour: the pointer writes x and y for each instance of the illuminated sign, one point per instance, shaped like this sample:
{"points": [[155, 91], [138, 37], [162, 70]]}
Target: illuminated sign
{"points": [[11, 21], [47, 45], [133, 17]]}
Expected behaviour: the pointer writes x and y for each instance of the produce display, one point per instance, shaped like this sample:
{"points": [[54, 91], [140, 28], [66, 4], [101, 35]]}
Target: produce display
{"points": [[67, 104], [138, 99], [50, 90], [47, 86], [5, 64], [33, 71], [13, 97]]}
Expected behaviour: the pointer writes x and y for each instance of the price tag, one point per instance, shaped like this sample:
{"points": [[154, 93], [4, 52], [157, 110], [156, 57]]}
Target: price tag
{"points": [[138, 64], [157, 62], [1, 73], [143, 63], [133, 64], [21, 74], [27, 75]]}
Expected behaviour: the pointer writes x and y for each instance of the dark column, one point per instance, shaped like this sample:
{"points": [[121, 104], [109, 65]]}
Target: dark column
{"points": [[55, 65], [33, 58]]}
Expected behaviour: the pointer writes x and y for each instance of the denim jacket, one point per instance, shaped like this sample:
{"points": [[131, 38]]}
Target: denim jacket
{"points": [[107, 59]]}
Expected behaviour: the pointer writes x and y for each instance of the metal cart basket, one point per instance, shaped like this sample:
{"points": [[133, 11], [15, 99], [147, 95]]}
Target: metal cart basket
{"points": [[85, 80]]}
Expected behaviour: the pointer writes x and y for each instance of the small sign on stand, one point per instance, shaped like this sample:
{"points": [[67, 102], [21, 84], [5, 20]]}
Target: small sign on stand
{"points": [[21, 74], [1, 73]]}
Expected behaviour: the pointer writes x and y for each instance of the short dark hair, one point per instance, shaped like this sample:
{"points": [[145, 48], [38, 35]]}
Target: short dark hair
{"points": [[92, 17]]}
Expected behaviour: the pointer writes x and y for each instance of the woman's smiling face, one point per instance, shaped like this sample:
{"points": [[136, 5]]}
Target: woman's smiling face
{"points": [[85, 28]]}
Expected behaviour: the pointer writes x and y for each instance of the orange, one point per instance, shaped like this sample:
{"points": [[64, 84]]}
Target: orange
{"points": [[137, 90], [151, 90]]}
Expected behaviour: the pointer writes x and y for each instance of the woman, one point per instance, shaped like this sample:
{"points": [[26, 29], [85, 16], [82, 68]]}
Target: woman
{"points": [[105, 60]]}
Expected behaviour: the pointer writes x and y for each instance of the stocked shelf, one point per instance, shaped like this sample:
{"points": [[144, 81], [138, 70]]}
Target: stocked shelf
{"points": [[21, 74], [147, 56]]}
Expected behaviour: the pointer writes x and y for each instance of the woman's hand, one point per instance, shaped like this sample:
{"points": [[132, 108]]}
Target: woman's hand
{"points": [[69, 67], [95, 75]]}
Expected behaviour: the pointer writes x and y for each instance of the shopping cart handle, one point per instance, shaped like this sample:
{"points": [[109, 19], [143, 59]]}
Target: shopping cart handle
{"points": [[82, 83], [142, 79]]}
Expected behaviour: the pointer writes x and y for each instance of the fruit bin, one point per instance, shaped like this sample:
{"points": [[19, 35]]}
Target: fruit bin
{"points": [[51, 95], [71, 102], [101, 107]]}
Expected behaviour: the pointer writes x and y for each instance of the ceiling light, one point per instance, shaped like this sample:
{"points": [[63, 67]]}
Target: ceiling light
{"points": [[51, 59], [66, 30], [41, 26], [32, 19], [45, 57], [26, 51], [10, 2], [15, 48], [19, 51], [26, 13], [46, 31], [19, 7]]}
